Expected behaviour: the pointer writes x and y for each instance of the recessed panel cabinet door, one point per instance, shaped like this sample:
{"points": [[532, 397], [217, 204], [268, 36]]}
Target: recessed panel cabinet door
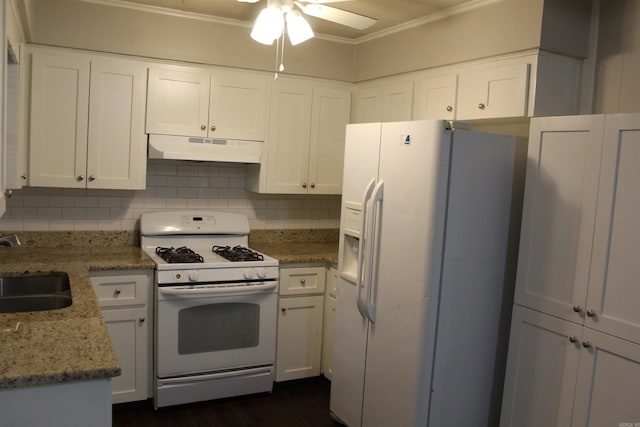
{"points": [[289, 133], [541, 374], [117, 147], [560, 197], [178, 101], [614, 290], [59, 121], [435, 98], [330, 115]]}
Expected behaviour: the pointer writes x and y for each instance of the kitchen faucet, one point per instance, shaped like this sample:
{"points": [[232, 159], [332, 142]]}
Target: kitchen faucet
{"points": [[10, 240]]}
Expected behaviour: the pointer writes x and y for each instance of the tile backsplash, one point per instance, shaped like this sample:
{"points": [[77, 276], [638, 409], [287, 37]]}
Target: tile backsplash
{"points": [[170, 185]]}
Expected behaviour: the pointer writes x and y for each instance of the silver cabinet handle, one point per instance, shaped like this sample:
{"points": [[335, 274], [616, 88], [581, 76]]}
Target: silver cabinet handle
{"points": [[449, 108], [303, 282], [481, 106], [203, 127], [213, 127], [304, 185], [142, 319], [8, 193], [117, 291], [590, 313], [92, 177], [23, 176], [586, 344], [577, 308], [573, 338], [80, 177], [313, 185], [283, 309]]}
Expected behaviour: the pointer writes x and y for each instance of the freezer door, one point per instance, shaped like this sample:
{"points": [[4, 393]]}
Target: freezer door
{"points": [[414, 167]]}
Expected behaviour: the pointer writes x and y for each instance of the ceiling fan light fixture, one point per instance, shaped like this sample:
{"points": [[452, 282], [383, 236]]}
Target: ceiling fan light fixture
{"points": [[268, 26], [298, 28]]}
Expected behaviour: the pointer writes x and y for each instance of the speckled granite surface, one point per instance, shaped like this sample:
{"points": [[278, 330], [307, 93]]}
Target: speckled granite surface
{"points": [[72, 343], [69, 344], [297, 246]]}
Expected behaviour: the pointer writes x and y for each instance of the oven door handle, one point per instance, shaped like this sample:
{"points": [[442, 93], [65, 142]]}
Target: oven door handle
{"points": [[267, 370], [216, 290]]}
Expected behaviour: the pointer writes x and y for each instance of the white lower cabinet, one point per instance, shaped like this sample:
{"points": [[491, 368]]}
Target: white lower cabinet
{"points": [[329, 322], [300, 316], [125, 300], [563, 374]]}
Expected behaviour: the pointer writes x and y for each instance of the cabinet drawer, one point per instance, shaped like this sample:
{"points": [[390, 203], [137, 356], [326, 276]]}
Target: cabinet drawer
{"points": [[122, 288], [300, 281]]}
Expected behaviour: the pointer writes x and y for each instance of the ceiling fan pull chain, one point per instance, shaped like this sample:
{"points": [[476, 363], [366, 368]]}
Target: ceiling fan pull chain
{"points": [[281, 69], [275, 66]]}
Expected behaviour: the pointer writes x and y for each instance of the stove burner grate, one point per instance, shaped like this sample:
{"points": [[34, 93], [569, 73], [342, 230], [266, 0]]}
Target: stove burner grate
{"points": [[178, 255], [237, 253]]}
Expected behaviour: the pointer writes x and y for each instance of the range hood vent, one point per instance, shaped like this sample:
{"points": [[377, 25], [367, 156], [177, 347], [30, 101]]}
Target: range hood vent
{"points": [[204, 149]]}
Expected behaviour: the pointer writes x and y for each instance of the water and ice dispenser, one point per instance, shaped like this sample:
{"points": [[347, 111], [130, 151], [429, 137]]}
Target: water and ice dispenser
{"points": [[350, 236]]}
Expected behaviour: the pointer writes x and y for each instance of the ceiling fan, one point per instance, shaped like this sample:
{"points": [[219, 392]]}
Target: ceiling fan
{"points": [[270, 23]]}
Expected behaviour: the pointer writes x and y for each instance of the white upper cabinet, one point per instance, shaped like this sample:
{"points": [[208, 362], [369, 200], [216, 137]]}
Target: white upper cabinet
{"points": [[207, 103], [305, 145], [489, 91], [87, 122], [389, 102], [435, 97], [559, 214]]}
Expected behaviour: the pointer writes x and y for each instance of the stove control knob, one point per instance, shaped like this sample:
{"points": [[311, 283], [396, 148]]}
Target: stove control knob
{"points": [[261, 272], [248, 274], [193, 276]]}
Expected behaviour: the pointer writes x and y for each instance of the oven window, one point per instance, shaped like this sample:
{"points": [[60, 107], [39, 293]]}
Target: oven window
{"points": [[218, 327]]}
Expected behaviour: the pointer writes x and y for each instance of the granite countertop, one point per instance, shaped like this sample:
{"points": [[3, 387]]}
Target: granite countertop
{"points": [[68, 344], [297, 246]]}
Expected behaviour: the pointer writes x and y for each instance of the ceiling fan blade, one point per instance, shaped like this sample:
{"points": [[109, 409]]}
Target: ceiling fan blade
{"points": [[324, 1], [248, 1], [339, 16]]}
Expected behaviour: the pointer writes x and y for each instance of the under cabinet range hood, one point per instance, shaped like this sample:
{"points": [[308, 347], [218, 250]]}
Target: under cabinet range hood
{"points": [[203, 149]]}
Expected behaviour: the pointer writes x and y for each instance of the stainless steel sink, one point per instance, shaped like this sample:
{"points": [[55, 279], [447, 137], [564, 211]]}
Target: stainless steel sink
{"points": [[34, 292]]}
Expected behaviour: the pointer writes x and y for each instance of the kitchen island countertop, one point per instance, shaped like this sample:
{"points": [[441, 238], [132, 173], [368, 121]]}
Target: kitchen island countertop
{"points": [[68, 344]]}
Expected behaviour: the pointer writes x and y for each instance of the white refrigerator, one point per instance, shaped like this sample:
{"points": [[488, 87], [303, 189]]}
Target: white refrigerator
{"points": [[424, 233]]}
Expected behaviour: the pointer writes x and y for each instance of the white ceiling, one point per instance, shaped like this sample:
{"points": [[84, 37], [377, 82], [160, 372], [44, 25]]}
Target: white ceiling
{"points": [[389, 13]]}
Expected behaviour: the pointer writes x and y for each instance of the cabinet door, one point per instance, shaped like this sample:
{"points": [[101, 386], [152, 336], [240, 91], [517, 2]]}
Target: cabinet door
{"points": [[330, 115], [368, 105], [178, 101], [289, 134], [299, 345], [329, 325], [492, 92], [558, 214], [435, 98], [615, 270], [541, 370], [129, 332], [608, 378], [397, 102], [238, 105], [117, 147], [59, 120]]}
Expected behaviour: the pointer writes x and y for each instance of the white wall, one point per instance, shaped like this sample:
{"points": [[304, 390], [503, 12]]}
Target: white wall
{"points": [[170, 185]]}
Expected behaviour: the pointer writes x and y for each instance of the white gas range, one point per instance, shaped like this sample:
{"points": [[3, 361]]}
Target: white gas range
{"points": [[215, 306]]}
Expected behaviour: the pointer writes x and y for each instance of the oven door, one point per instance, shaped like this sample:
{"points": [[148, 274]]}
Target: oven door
{"points": [[206, 328]]}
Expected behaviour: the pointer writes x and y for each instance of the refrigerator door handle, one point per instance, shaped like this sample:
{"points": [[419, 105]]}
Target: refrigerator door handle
{"points": [[361, 245], [367, 306]]}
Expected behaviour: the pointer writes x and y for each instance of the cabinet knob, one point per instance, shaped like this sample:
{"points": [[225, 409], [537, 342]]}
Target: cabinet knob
{"points": [[203, 127], [80, 177], [481, 106], [142, 319], [23, 176], [590, 313], [283, 309], [577, 308], [92, 177], [304, 185], [449, 108], [586, 344], [8, 193], [573, 338], [117, 291], [303, 282], [313, 185], [213, 127]]}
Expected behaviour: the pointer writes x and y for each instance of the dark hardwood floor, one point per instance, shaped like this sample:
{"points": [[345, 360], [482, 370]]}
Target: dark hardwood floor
{"points": [[300, 403]]}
